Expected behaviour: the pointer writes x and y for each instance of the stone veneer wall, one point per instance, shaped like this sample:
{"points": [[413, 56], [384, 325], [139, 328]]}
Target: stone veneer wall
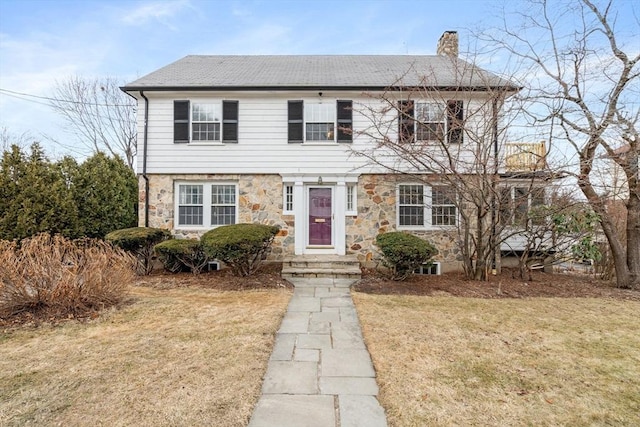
{"points": [[260, 201], [377, 214]]}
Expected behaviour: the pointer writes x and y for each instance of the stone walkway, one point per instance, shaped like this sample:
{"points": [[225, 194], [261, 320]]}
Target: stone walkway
{"points": [[320, 373]]}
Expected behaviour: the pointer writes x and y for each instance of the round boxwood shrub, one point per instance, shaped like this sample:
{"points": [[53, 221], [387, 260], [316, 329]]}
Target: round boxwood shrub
{"points": [[241, 246], [139, 241], [403, 253], [180, 254]]}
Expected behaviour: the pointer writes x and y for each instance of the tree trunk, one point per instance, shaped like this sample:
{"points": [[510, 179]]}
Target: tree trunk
{"points": [[633, 238]]}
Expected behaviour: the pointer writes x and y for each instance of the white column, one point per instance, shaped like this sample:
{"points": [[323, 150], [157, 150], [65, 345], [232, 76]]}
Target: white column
{"points": [[339, 217], [299, 215]]}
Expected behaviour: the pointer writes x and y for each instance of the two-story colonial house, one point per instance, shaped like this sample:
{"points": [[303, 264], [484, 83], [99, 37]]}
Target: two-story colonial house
{"points": [[271, 139]]}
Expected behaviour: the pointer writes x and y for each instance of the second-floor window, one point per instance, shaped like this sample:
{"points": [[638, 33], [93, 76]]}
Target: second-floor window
{"points": [[205, 121], [319, 121], [430, 121]]}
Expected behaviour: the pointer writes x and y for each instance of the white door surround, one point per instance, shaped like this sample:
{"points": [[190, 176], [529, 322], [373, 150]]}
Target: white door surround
{"points": [[301, 186]]}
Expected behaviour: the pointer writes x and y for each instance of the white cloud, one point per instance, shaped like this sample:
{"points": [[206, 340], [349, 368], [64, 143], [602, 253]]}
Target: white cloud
{"points": [[160, 11]]}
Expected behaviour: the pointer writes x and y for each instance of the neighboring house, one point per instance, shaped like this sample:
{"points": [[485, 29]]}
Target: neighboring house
{"points": [[270, 139]]}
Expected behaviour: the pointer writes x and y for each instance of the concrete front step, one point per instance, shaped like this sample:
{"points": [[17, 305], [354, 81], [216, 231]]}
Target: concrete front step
{"points": [[329, 266]]}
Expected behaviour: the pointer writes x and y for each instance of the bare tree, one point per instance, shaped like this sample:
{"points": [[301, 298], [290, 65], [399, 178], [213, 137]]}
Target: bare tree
{"points": [[7, 139], [99, 113], [453, 142], [585, 88]]}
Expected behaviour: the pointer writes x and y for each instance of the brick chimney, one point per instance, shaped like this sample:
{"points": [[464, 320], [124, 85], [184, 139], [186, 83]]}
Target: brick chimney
{"points": [[448, 44]]}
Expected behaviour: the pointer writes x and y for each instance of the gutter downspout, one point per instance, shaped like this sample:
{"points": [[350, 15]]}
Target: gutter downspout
{"points": [[144, 159], [497, 267]]}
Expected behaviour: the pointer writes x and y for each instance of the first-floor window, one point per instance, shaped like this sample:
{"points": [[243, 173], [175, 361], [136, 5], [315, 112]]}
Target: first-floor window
{"points": [[190, 205], [206, 204], [423, 206], [351, 199], [519, 205], [288, 198], [443, 206], [223, 204], [411, 205]]}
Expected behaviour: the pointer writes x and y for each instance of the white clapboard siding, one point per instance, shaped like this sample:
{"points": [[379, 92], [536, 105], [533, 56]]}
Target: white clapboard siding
{"points": [[262, 138]]}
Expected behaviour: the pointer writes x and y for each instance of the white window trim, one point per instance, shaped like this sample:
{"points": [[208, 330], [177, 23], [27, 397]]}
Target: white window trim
{"points": [[427, 198], [192, 104], [351, 190], [286, 211], [332, 107], [416, 125], [206, 200]]}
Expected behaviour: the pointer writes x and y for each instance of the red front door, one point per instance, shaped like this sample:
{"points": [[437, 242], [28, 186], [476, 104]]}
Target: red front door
{"points": [[320, 216]]}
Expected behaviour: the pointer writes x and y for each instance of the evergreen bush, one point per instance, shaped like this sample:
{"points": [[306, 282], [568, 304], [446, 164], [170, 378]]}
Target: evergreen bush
{"points": [[178, 254], [140, 241], [241, 246], [403, 253]]}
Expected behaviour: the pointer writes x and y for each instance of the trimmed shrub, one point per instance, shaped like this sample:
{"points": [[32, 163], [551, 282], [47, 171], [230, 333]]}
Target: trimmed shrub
{"points": [[241, 246], [403, 253], [178, 254], [140, 242], [56, 277]]}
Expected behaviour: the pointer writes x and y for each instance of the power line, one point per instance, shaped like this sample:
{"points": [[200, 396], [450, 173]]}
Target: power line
{"points": [[22, 94]]}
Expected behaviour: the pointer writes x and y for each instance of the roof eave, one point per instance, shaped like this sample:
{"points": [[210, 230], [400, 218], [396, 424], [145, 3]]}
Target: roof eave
{"points": [[506, 88]]}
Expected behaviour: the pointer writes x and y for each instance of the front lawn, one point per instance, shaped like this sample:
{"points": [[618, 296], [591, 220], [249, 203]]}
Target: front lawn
{"points": [[447, 361], [187, 356]]}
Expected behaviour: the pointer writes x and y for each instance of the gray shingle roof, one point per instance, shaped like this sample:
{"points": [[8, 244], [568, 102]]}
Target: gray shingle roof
{"points": [[220, 72]]}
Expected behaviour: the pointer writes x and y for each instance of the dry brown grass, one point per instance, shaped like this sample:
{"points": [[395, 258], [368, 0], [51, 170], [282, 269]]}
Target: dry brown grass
{"points": [[444, 361], [177, 357]]}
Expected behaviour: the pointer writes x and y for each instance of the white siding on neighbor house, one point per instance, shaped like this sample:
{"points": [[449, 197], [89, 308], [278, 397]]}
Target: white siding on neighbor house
{"points": [[262, 145]]}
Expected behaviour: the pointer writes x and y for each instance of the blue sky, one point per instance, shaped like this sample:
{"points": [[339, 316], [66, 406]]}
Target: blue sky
{"points": [[42, 41]]}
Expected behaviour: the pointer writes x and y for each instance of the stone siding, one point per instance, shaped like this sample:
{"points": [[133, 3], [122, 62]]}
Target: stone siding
{"points": [[259, 201], [377, 214]]}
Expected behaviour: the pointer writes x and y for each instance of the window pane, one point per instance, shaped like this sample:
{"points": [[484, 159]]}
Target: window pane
{"points": [[411, 215], [206, 131], [288, 202], [320, 131], [319, 113], [223, 194], [350, 190], [223, 215], [190, 195], [411, 195], [190, 215]]}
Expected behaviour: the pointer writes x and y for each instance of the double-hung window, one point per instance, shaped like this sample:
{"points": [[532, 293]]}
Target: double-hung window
{"points": [[421, 206], [519, 205], [443, 206], [430, 121], [205, 121], [319, 121], [205, 204]]}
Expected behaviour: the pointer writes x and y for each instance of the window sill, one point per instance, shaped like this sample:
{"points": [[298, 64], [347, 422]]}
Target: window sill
{"points": [[206, 144], [427, 227]]}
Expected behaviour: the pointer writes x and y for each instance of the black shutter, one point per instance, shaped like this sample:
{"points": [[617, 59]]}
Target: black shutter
{"points": [[406, 121], [229, 121], [455, 121], [180, 122], [296, 124], [345, 121]]}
